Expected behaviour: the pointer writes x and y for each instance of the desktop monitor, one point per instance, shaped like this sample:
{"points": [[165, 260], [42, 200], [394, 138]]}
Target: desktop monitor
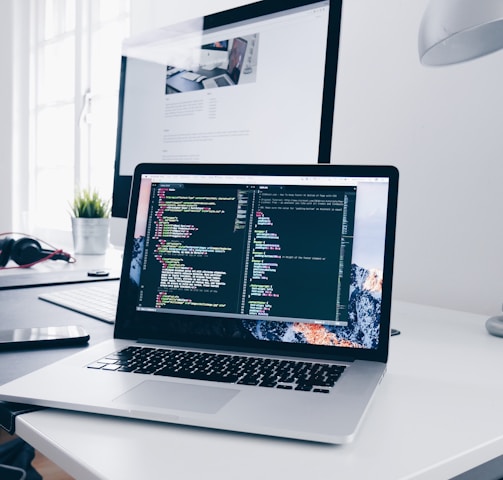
{"points": [[278, 64]]}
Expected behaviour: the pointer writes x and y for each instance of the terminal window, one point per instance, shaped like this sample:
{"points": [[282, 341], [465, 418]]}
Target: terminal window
{"points": [[280, 253]]}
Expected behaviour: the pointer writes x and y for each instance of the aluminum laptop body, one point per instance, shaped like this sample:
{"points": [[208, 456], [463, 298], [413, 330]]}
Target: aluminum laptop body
{"points": [[284, 262]]}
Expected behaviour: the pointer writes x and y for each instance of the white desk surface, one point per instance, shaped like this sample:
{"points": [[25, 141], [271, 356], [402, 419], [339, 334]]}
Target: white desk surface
{"points": [[437, 413], [59, 272]]}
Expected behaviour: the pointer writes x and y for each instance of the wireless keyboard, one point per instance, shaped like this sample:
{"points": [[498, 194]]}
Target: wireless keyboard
{"points": [[98, 300]]}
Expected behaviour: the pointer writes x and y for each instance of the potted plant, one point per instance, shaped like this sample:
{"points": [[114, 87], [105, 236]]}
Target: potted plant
{"points": [[90, 223]]}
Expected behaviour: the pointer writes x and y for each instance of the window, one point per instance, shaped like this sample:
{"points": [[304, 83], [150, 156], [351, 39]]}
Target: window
{"points": [[75, 54]]}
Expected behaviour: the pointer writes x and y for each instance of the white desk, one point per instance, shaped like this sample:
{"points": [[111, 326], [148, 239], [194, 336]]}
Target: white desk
{"points": [[59, 272], [437, 413]]}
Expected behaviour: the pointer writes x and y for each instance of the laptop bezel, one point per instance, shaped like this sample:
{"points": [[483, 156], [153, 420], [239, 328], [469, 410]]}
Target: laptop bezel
{"points": [[135, 325]]}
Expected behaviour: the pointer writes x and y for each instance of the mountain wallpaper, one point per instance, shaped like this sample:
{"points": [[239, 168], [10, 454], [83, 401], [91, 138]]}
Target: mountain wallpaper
{"points": [[136, 260], [364, 317]]}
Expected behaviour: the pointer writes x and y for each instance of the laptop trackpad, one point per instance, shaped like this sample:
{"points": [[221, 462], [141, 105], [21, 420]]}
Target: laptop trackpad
{"points": [[178, 396]]}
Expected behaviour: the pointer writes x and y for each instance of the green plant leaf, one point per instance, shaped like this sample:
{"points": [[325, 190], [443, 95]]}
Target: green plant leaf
{"points": [[89, 204]]}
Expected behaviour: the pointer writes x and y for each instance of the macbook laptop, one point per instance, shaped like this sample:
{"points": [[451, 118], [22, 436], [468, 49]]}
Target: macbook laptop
{"points": [[253, 298], [236, 59]]}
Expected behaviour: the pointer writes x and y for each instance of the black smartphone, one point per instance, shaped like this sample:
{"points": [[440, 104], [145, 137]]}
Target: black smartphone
{"points": [[43, 337]]}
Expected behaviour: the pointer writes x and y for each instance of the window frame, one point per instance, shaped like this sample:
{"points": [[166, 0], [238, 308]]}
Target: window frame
{"points": [[27, 43]]}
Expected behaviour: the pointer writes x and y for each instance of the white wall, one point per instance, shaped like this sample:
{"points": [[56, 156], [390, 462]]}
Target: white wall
{"points": [[150, 14], [6, 120], [440, 126]]}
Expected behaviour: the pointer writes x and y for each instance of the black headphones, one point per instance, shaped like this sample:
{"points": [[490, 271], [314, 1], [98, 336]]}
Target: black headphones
{"points": [[26, 251]]}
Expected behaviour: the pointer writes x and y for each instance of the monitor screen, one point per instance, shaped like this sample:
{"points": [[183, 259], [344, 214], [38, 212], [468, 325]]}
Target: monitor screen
{"points": [[255, 84]]}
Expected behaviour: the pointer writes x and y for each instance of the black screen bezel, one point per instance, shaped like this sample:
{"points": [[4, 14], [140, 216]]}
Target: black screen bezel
{"points": [[122, 183]]}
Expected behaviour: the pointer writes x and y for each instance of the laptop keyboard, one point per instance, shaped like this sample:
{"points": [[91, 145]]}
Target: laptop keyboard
{"points": [[264, 372]]}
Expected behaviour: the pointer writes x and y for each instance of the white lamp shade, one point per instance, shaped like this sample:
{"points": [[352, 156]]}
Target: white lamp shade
{"points": [[454, 31]]}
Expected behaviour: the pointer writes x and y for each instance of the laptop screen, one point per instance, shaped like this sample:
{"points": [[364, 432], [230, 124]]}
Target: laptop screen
{"points": [[292, 259]]}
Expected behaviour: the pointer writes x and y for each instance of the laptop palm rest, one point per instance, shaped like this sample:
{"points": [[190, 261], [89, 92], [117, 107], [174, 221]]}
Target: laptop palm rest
{"points": [[178, 396]]}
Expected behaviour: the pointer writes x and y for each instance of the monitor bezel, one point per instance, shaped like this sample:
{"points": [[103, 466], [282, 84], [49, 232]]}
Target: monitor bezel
{"points": [[122, 183]]}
